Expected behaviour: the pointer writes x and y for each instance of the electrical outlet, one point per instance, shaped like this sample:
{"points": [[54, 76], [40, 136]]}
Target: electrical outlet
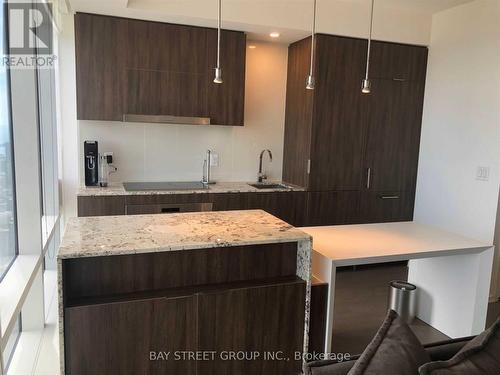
{"points": [[483, 173], [214, 159]]}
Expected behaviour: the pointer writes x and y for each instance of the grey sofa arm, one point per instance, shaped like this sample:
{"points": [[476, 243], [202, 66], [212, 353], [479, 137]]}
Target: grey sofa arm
{"points": [[440, 351]]}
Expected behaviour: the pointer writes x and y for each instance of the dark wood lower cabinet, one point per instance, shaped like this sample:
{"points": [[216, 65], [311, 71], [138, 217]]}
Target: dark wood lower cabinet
{"points": [[246, 331], [229, 201], [332, 208], [288, 206], [298, 208], [218, 303], [101, 206], [259, 325], [379, 207], [117, 338]]}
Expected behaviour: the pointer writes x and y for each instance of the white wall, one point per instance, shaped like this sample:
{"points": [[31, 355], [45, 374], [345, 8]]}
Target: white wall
{"points": [[461, 124]]}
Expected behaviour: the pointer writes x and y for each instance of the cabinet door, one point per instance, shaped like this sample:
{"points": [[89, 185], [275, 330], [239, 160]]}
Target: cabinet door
{"points": [[340, 115], [170, 71], [398, 61], [166, 69], [226, 101], [229, 201], [287, 206], [379, 207], [100, 53], [261, 319], [157, 46], [394, 135], [101, 206], [332, 208], [117, 338]]}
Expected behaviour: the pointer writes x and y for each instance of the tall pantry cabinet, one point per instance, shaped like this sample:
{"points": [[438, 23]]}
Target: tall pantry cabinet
{"points": [[356, 153]]}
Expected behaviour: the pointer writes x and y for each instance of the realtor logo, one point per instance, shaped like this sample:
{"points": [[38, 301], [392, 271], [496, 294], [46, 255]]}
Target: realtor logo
{"points": [[30, 28]]}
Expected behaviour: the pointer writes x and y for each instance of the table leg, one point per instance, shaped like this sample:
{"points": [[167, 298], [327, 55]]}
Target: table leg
{"points": [[453, 291], [325, 270]]}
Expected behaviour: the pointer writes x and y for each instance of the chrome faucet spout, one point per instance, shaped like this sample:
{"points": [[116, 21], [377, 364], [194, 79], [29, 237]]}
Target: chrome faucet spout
{"points": [[206, 169], [262, 176]]}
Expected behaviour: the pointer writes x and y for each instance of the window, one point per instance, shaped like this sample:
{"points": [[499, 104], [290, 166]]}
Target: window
{"points": [[11, 343], [8, 235], [47, 122]]}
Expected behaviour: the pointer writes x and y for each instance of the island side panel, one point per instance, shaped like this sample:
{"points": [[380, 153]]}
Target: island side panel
{"points": [[60, 299], [304, 250]]}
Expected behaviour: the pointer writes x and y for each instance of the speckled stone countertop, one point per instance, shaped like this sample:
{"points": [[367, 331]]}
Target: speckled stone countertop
{"points": [[116, 235], [219, 187]]}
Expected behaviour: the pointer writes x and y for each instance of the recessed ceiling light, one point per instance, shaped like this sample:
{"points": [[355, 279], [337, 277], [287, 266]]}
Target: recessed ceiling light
{"points": [[251, 46], [274, 34]]}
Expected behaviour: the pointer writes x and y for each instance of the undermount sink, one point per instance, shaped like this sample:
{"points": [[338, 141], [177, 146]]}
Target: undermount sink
{"points": [[165, 186], [263, 186]]}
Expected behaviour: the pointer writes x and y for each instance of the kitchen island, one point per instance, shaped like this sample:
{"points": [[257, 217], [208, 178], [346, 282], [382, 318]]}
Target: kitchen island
{"points": [[183, 294], [452, 273]]}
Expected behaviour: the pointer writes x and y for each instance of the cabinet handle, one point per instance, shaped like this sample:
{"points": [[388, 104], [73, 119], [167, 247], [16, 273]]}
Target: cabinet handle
{"points": [[399, 79], [368, 177], [389, 197]]}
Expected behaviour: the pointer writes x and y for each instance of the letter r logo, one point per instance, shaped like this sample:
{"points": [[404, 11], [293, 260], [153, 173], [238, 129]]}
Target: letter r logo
{"points": [[30, 28]]}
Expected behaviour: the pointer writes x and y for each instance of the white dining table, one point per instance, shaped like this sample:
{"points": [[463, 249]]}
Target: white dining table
{"points": [[452, 273]]}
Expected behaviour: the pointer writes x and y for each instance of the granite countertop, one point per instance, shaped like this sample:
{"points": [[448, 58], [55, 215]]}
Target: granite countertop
{"points": [[118, 235], [219, 187]]}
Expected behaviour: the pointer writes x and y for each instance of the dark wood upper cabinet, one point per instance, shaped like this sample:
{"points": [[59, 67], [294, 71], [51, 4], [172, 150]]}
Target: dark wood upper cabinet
{"points": [[398, 61], [394, 134], [298, 116], [340, 115], [325, 128], [100, 44], [157, 69]]}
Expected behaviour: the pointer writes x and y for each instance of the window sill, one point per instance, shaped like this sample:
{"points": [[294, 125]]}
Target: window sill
{"points": [[13, 291]]}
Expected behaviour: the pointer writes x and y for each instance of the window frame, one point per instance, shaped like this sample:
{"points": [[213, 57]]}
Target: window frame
{"points": [[4, 4]]}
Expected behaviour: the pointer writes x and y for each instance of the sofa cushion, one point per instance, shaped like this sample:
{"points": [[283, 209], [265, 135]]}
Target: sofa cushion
{"points": [[440, 351], [394, 350], [480, 356]]}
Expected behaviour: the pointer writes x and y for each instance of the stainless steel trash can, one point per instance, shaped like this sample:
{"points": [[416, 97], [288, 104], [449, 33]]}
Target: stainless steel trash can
{"points": [[402, 299]]}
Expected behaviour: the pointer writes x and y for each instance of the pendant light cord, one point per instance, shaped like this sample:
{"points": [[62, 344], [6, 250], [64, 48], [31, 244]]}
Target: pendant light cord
{"points": [[218, 33], [369, 41], [313, 38]]}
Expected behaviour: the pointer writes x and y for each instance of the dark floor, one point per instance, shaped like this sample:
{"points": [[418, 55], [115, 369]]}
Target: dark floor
{"points": [[361, 306], [493, 313]]}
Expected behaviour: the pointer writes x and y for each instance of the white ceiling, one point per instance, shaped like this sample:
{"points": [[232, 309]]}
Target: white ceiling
{"points": [[428, 6], [396, 20]]}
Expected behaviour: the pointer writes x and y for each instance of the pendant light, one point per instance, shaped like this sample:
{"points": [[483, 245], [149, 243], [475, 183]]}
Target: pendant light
{"points": [[310, 82], [218, 70], [366, 86]]}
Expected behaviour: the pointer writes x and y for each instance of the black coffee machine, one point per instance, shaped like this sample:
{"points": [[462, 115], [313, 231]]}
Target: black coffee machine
{"points": [[91, 160]]}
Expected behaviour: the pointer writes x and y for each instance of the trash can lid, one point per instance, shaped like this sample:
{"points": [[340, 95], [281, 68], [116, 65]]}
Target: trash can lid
{"points": [[403, 285]]}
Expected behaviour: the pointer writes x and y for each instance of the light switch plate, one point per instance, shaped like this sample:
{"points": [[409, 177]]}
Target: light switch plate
{"points": [[483, 173], [214, 159]]}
